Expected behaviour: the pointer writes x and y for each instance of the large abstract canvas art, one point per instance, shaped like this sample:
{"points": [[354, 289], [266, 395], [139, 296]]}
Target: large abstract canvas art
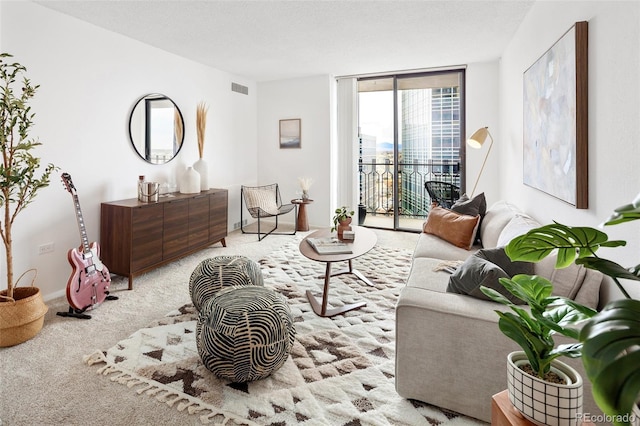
{"points": [[555, 148]]}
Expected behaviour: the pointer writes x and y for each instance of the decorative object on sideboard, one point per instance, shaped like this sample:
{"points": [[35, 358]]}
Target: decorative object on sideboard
{"points": [[305, 184], [201, 165], [342, 220], [556, 119], [533, 332], [22, 309], [156, 128], [476, 141], [148, 192], [190, 181]]}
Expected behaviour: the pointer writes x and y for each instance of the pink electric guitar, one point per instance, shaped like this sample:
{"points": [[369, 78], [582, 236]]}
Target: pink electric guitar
{"points": [[88, 285]]}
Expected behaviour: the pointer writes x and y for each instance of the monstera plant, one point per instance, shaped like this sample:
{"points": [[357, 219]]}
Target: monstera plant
{"points": [[611, 338], [533, 331]]}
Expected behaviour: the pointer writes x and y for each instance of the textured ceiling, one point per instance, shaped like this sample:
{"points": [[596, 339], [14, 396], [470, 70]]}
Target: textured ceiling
{"points": [[270, 40]]}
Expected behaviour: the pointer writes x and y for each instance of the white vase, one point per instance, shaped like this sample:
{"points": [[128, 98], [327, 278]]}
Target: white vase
{"points": [[202, 167], [542, 402], [190, 182]]}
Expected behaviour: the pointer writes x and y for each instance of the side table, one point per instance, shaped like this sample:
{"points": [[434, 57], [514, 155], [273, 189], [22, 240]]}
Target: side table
{"points": [[302, 223], [503, 413]]}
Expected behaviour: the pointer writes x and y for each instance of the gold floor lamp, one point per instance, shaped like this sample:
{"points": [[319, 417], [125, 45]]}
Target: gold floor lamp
{"points": [[476, 141]]}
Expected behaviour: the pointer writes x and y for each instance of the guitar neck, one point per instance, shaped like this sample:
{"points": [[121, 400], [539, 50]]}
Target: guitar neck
{"points": [[83, 230]]}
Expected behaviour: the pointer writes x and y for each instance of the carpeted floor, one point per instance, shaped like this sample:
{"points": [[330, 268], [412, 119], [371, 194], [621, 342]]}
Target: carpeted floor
{"points": [[45, 382], [340, 372]]}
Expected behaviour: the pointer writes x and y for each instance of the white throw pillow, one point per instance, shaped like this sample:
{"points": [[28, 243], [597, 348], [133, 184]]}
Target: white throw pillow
{"points": [[519, 225]]}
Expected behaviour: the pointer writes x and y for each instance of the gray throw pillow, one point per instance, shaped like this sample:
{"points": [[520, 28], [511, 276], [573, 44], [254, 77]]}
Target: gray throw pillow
{"points": [[485, 268], [472, 207]]}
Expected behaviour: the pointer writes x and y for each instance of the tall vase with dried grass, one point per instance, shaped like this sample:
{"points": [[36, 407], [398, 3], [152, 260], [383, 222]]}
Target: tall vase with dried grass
{"points": [[21, 309], [201, 165]]}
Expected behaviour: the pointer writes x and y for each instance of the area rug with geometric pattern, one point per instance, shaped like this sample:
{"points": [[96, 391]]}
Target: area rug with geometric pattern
{"points": [[340, 371]]}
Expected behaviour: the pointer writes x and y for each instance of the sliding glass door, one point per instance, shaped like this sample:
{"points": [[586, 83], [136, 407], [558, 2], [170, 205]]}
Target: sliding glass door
{"points": [[410, 129]]}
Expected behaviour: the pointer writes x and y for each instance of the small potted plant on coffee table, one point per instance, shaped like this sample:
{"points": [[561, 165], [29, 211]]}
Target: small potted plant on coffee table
{"points": [[342, 220]]}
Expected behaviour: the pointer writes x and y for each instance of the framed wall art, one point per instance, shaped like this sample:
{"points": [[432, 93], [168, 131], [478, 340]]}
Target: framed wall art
{"points": [[555, 140], [290, 133]]}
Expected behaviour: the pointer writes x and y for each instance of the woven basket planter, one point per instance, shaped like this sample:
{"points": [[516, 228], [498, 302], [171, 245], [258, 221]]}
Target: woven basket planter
{"points": [[542, 402], [22, 319]]}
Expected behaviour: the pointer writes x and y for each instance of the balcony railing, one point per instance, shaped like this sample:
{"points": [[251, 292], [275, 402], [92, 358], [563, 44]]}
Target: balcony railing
{"points": [[377, 182]]}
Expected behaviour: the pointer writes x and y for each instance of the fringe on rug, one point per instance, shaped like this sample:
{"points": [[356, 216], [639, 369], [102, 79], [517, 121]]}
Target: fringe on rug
{"points": [[164, 394]]}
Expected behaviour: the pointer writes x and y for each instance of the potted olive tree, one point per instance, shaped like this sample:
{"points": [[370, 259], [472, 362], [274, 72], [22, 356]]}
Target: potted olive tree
{"points": [[611, 338], [22, 309]]}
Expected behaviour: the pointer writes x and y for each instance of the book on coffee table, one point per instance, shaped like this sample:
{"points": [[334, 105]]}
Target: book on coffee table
{"points": [[329, 246]]}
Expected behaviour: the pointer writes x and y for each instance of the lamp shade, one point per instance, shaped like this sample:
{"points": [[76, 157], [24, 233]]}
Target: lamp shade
{"points": [[478, 138], [476, 141]]}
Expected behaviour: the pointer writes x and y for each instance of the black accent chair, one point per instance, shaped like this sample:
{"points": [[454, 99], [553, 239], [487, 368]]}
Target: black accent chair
{"points": [[264, 202], [444, 194]]}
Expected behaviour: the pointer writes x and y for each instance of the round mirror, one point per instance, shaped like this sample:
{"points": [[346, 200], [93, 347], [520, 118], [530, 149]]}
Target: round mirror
{"points": [[156, 128]]}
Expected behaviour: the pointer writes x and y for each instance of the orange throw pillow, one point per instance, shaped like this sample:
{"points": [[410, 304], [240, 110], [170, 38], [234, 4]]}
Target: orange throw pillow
{"points": [[455, 228]]}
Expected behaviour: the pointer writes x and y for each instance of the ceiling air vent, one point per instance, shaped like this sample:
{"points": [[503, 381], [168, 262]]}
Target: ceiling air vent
{"points": [[235, 87]]}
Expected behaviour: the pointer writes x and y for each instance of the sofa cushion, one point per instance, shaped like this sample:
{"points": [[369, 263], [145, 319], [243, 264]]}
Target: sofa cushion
{"points": [[425, 275], [485, 268], [520, 224], [458, 229], [431, 246], [497, 217], [575, 281]]}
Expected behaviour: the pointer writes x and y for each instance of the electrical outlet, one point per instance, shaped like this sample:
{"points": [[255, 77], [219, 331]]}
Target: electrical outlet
{"points": [[237, 225], [46, 248]]}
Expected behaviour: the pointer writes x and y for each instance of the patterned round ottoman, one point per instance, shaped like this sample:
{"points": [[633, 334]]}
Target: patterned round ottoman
{"points": [[245, 333], [211, 275]]}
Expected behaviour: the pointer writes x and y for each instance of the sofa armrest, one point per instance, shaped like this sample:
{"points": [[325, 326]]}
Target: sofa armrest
{"points": [[449, 351], [454, 339]]}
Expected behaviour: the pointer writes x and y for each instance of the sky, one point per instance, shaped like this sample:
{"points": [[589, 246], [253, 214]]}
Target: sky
{"points": [[376, 115]]}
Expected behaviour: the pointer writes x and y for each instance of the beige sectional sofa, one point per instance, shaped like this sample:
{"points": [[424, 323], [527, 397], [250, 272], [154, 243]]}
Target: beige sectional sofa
{"points": [[449, 350]]}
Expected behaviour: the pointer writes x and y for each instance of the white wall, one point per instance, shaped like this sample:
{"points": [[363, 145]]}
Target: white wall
{"points": [[482, 111], [309, 100], [90, 79], [614, 112]]}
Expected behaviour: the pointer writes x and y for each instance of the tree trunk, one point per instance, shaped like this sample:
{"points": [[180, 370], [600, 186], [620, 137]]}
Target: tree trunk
{"points": [[8, 243]]}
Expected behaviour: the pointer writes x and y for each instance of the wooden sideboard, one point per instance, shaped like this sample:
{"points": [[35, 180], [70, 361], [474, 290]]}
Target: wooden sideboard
{"points": [[136, 237]]}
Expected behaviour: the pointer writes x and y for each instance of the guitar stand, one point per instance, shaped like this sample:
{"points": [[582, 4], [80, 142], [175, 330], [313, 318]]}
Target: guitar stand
{"points": [[75, 313], [80, 313]]}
